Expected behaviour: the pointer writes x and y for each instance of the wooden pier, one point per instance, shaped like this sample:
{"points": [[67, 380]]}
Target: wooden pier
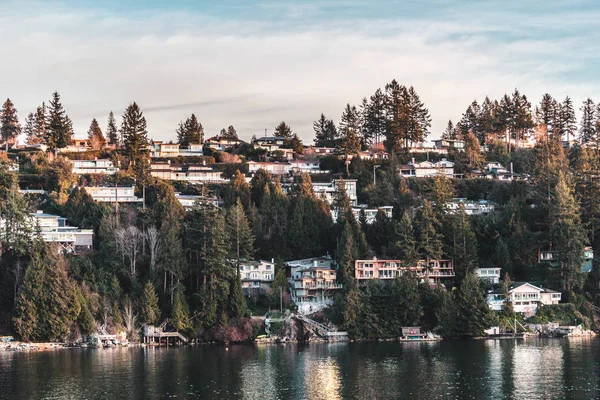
{"points": [[155, 335]]}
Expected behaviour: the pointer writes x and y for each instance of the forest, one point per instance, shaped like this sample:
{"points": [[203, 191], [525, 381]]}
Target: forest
{"points": [[157, 261]]}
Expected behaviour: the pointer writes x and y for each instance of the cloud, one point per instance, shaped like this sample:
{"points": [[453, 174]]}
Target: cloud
{"points": [[292, 65]]}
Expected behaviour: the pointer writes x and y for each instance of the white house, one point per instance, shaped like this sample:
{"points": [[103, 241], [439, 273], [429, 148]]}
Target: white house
{"points": [[112, 194], [189, 200], [97, 166], [308, 166], [222, 144], [193, 173], [489, 275], [273, 168], [426, 169], [54, 229], [472, 207], [257, 274], [327, 190], [370, 213], [159, 149], [524, 297], [313, 282]]}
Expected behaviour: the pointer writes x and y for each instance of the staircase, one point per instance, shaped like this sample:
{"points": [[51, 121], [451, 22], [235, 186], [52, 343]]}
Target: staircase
{"points": [[321, 330]]}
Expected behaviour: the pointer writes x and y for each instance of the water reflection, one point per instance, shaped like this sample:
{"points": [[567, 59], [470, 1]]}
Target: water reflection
{"points": [[532, 369]]}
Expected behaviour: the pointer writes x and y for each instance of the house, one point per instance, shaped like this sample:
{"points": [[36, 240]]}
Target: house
{"points": [[496, 168], [472, 207], [112, 194], [551, 257], [258, 275], [370, 213], [427, 149], [449, 144], [268, 143], [96, 166], [313, 282], [427, 169], [524, 296], [221, 143], [193, 149], [296, 266], [309, 166], [76, 146], [54, 229], [489, 275], [274, 168], [189, 200], [373, 155], [439, 271], [163, 150], [321, 151], [193, 173], [327, 190]]}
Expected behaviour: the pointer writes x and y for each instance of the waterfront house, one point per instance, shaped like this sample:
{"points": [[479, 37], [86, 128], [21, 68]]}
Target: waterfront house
{"points": [[524, 297], [96, 166], [438, 271], [313, 282], [257, 275], [489, 275]]}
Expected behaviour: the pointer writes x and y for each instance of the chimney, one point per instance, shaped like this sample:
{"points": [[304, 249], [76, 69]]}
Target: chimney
{"points": [[204, 162], [315, 263], [273, 260], [413, 161], [511, 167]]}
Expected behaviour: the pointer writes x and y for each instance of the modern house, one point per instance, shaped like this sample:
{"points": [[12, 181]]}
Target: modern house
{"points": [[438, 271], [54, 229], [524, 297], [427, 169], [309, 166], [159, 149], [313, 282], [112, 194], [327, 190], [193, 173], [97, 166], [321, 151], [551, 257], [449, 144], [370, 213], [258, 275], [472, 207], [489, 275], [222, 144], [268, 143], [273, 168], [189, 200]]}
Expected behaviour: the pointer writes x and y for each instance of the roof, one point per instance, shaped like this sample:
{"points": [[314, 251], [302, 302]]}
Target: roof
{"points": [[316, 269], [516, 285]]}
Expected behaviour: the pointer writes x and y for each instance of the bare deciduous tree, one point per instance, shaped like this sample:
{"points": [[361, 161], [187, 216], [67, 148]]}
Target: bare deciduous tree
{"points": [[129, 242], [154, 247], [130, 317]]}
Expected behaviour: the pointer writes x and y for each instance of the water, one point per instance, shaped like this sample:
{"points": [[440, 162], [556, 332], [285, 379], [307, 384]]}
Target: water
{"points": [[532, 369]]}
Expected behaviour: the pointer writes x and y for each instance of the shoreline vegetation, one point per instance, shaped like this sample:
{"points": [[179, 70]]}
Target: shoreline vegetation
{"points": [[153, 262]]}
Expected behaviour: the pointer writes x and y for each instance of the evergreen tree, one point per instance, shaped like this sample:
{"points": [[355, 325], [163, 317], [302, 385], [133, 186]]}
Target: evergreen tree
{"points": [[135, 140], [29, 129], [240, 235], [325, 132], [40, 125], [46, 304], [374, 118], [95, 137], [567, 233], [58, 125], [149, 309], [10, 128], [568, 118], [474, 315], [473, 151], [283, 130], [190, 132], [180, 313], [406, 245], [237, 303], [112, 134], [587, 128], [450, 131], [429, 242], [464, 245]]}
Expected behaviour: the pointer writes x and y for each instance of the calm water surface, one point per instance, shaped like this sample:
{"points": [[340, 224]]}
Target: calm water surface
{"points": [[532, 369]]}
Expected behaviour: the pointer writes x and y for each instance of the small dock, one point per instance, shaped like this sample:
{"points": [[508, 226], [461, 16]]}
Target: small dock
{"points": [[154, 335]]}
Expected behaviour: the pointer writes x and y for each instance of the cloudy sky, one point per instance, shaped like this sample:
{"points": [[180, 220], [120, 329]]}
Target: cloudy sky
{"points": [[254, 63]]}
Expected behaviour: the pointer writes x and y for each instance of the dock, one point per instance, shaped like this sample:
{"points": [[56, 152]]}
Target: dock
{"points": [[154, 335]]}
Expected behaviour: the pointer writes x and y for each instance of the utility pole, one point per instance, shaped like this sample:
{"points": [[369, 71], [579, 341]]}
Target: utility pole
{"points": [[280, 299], [374, 176]]}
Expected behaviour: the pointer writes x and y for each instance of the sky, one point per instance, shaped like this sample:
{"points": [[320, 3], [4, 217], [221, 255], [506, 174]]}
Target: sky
{"points": [[254, 63]]}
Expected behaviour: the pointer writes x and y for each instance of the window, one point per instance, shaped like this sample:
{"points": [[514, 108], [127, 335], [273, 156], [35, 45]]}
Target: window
{"points": [[268, 267]]}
